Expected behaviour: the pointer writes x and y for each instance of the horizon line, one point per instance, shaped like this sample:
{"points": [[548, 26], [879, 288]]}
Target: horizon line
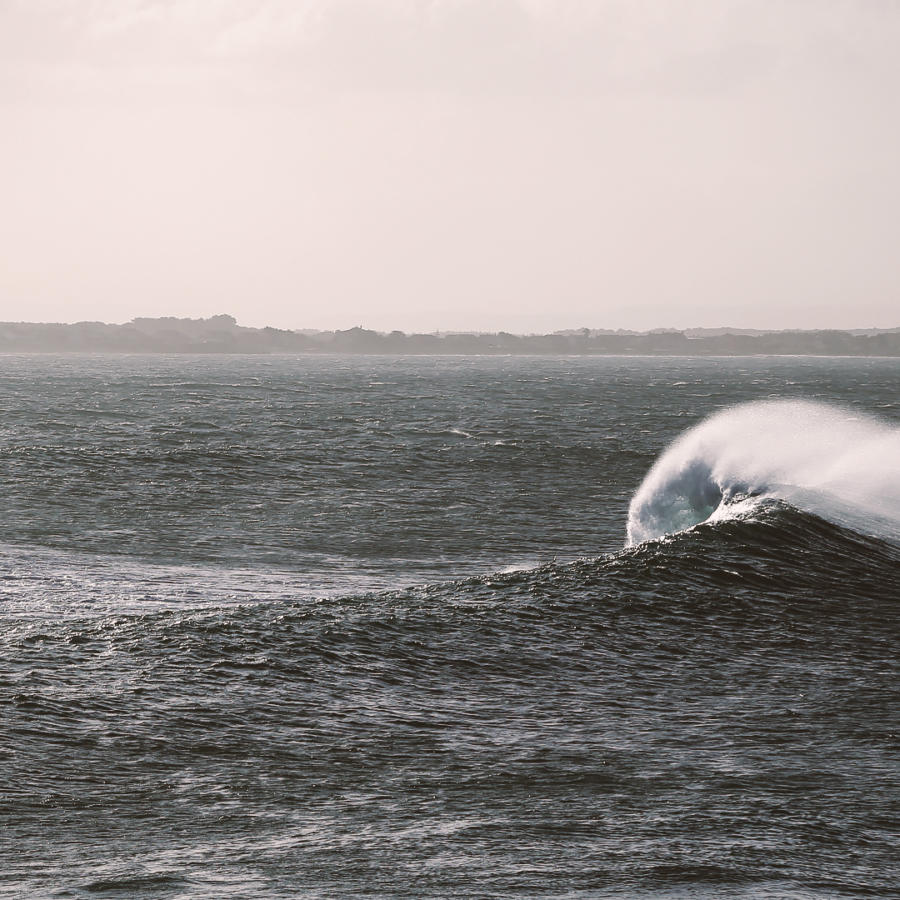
{"points": [[233, 322]]}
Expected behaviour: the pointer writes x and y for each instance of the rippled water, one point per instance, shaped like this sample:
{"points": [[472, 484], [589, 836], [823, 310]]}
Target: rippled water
{"points": [[326, 627]]}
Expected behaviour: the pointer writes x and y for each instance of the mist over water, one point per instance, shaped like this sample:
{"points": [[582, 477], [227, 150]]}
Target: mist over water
{"points": [[317, 627]]}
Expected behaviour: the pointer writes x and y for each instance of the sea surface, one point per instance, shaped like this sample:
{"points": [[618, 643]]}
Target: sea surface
{"points": [[315, 627]]}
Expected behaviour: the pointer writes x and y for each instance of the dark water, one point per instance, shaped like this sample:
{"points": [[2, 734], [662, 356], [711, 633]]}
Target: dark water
{"points": [[334, 627]]}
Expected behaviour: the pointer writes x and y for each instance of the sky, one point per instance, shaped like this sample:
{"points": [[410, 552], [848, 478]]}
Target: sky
{"points": [[524, 165]]}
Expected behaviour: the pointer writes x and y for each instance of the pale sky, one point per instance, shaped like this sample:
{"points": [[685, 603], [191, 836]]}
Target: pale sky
{"points": [[525, 165]]}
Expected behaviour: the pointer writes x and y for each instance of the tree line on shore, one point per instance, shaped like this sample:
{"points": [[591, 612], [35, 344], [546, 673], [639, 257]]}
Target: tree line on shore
{"points": [[222, 334]]}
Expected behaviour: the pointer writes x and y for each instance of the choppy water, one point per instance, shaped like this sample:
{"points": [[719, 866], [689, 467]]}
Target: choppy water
{"points": [[329, 627]]}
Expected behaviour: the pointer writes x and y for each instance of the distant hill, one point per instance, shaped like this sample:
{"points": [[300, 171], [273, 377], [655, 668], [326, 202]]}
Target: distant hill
{"points": [[222, 334]]}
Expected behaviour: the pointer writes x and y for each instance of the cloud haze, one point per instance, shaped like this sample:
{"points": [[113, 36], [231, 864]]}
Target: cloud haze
{"points": [[422, 164]]}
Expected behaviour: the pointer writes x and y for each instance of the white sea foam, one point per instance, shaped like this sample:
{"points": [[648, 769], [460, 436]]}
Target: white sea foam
{"points": [[829, 460]]}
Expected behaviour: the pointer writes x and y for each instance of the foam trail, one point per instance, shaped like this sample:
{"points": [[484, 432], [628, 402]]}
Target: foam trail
{"points": [[828, 460]]}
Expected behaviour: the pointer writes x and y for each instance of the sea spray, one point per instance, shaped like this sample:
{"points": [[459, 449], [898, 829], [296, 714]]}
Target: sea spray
{"points": [[825, 459]]}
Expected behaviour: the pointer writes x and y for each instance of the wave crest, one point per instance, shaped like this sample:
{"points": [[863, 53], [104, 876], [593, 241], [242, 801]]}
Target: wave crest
{"points": [[824, 459]]}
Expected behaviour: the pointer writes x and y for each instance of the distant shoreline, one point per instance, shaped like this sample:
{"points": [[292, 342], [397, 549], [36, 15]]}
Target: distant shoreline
{"points": [[222, 335]]}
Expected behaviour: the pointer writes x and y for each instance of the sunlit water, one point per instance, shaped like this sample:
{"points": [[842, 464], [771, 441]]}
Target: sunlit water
{"points": [[329, 627]]}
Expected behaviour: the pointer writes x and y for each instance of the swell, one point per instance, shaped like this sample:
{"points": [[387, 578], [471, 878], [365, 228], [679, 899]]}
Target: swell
{"points": [[775, 557], [664, 683], [831, 461], [772, 553]]}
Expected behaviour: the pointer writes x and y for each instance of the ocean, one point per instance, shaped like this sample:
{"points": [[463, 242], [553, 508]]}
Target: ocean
{"points": [[324, 626]]}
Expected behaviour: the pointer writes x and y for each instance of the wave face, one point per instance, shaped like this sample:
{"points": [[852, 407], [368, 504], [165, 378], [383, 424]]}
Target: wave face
{"points": [[823, 459]]}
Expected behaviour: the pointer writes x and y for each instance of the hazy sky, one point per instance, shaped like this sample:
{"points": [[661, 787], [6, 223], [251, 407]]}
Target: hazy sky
{"points": [[432, 164]]}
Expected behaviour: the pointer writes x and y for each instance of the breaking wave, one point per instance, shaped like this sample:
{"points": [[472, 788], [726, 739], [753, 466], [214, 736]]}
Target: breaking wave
{"points": [[828, 460]]}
